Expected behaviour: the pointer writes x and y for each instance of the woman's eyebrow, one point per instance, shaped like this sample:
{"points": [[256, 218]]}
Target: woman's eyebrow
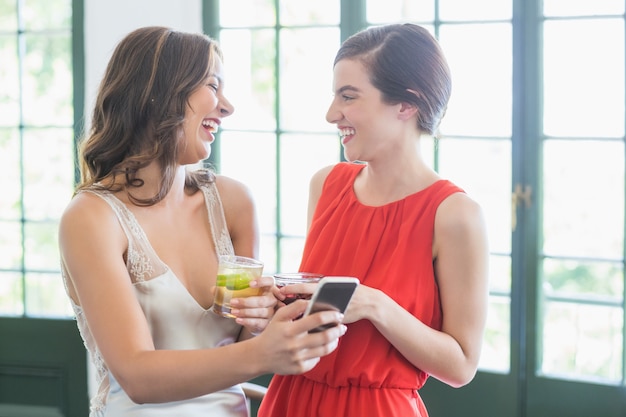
{"points": [[347, 88]]}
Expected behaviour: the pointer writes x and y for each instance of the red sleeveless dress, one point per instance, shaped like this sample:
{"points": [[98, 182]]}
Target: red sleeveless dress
{"points": [[389, 248]]}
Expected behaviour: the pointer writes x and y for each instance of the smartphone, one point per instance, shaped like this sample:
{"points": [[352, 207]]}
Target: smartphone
{"points": [[332, 293]]}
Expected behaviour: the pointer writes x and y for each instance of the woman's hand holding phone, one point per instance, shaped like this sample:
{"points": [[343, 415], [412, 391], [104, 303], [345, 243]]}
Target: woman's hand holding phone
{"points": [[288, 345], [332, 293]]}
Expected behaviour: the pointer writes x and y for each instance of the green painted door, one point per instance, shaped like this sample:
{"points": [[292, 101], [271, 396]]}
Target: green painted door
{"points": [[43, 368]]}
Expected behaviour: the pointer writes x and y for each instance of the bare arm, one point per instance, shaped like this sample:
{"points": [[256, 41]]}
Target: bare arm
{"points": [[253, 313], [461, 257], [240, 214], [315, 191], [92, 247]]}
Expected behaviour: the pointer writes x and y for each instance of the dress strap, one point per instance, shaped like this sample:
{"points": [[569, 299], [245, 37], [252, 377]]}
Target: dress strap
{"points": [[217, 220], [142, 261]]}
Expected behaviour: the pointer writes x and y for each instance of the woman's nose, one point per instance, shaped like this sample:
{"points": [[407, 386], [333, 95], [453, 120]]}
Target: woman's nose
{"points": [[226, 109], [332, 115]]}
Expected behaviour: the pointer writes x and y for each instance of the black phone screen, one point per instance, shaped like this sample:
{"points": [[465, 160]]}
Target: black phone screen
{"points": [[332, 296]]}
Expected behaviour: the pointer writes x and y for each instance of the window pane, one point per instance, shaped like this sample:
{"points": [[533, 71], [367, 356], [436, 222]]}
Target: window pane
{"points": [[249, 65], [500, 274], [583, 214], [475, 9], [300, 157], [8, 16], [481, 98], [242, 13], [387, 11], [40, 247], [10, 181], [492, 191], [291, 254], [318, 12], [582, 341], [48, 171], [45, 297], [496, 351], [11, 293], [584, 78], [36, 164], [47, 83], [582, 8], [251, 158], [46, 14], [592, 280], [306, 77], [268, 254], [10, 245], [9, 80]]}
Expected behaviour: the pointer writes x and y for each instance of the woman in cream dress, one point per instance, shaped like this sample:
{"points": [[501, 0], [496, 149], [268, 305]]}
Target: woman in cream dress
{"points": [[141, 238]]}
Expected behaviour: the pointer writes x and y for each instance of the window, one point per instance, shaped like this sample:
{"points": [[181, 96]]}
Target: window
{"points": [[581, 262], [36, 152], [278, 136]]}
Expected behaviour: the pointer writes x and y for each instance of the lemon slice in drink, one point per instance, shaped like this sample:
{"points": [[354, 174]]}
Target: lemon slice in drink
{"points": [[234, 281]]}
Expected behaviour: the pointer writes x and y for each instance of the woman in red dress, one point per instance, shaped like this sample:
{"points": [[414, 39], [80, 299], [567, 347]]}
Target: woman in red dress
{"points": [[416, 241]]}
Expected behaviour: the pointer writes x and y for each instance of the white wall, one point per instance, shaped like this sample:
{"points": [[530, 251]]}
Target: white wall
{"points": [[108, 21]]}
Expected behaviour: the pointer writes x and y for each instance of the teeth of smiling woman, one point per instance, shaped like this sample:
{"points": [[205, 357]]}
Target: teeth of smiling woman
{"points": [[209, 124], [345, 132]]}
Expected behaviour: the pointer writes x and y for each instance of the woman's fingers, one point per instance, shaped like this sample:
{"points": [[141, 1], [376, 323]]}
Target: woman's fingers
{"points": [[298, 289], [255, 312], [302, 347]]}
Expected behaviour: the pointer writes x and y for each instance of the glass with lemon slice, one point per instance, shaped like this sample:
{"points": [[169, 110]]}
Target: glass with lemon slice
{"points": [[234, 274]]}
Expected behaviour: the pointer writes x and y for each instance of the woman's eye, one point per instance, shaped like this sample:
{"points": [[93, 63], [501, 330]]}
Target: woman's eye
{"points": [[346, 98], [214, 87]]}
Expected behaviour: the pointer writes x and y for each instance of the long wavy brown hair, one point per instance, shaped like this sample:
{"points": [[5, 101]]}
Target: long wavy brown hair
{"points": [[140, 108]]}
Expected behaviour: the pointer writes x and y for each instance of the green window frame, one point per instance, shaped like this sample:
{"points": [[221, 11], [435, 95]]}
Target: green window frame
{"points": [[40, 110]]}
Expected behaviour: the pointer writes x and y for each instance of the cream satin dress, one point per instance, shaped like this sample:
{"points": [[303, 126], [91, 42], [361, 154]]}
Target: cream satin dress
{"points": [[176, 321]]}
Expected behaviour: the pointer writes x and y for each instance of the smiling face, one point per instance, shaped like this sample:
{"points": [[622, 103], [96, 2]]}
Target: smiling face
{"points": [[206, 108], [367, 125]]}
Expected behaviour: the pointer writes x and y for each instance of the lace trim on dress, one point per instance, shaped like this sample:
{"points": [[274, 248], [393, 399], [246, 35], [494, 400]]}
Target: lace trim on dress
{"points": [[141, 258], [221, 237], [96, 404]]}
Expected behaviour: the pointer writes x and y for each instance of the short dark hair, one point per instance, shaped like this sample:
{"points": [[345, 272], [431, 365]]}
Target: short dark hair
{"points": [[406, 63]]}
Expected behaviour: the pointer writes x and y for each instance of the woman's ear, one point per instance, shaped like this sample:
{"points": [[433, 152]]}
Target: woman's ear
{"points": [[407, 111]]}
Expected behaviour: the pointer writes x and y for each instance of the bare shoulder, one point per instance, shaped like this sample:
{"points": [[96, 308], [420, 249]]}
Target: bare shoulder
{"points": [[233, 193], [459, 203], [88, 218], [239, 208], [460, 215], [318, 179], [90, 236], [240, 214], [228, 184], [320, 175], [87, 210]]}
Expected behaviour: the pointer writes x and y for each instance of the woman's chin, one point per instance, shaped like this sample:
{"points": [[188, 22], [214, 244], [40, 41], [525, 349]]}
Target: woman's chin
{"points": [[195, 159], [206, 152]]}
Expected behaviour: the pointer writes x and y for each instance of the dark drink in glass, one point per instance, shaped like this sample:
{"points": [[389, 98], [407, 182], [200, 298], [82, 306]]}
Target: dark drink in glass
{"points": [[290, 278]]}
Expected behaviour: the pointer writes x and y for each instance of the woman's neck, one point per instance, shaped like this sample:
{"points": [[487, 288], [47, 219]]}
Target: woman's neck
{"points": [[152, 180]]}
